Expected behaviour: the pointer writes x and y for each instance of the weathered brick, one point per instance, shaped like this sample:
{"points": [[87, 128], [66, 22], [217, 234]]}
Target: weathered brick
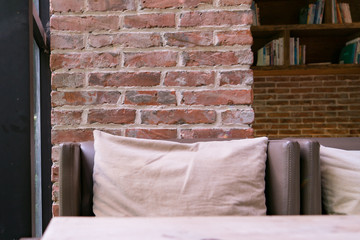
{"points": [[55, 153], [214, 58], [178, 116], [116, 116], [216, 133], [230, 38], [234, 2], [67, 6], [55, 174], [67, 80], [217, 97], [73, 41], [237, 77], [111, 5], [84, 23], [71, 135], [55, 209], [84, 60], [150, 97], [189, 39], [65, 117], [150, 20], [84, 98], [117, 79], [172, 3], [238, 116], [151, 59], [215, 18], [189, 79], [152, 133], [131, 40]]}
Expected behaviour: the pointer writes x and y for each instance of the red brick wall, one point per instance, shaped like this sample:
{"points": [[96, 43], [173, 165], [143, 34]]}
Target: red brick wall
{"points": [[150, 69], [307, 106]]}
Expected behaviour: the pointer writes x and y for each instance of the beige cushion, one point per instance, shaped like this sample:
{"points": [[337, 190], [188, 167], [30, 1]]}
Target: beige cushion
{"points": [[139, 177], [340, 178]]}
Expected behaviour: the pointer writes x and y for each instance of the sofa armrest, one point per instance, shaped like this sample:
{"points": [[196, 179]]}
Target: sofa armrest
{"points": [[283, 178], [70, 180]]}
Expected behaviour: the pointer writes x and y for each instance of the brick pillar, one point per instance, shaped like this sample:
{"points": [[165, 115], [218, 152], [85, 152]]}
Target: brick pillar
{"points": [[150, 69]]}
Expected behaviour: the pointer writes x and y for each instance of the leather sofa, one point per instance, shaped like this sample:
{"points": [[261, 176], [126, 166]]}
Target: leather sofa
{"points": [[310, 176], [282, 179]]}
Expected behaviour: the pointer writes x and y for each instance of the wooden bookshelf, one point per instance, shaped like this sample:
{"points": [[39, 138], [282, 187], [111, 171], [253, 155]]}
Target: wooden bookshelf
{"points": [[279, 18]]}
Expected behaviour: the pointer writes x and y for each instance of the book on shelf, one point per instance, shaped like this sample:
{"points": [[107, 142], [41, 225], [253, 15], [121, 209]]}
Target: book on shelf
{"points": [[315, 12], [345, 12], [256, 14], [297, 52], [272, 54], [340, 12], [350, 54]]}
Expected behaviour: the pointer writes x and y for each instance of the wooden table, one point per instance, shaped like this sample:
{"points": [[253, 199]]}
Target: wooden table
{"points": [[205, 228]]}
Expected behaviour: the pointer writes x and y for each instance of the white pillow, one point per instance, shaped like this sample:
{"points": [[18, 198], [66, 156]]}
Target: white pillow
{"points": [[340, 179], [141, 177]]}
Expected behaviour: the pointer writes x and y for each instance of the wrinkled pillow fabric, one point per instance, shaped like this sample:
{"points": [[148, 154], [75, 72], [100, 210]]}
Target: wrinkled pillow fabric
{"points": [[340, 180], [141, 177]]}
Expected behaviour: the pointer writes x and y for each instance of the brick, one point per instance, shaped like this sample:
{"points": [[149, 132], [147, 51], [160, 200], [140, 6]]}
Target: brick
{"points": [[74, 41], [55, 209], [348, 77], [189, 39], [152, 133], [151, 59], [65, 117], [55, 153], [84, 23], [234, 2], [216, 18], [238, 116], [71, 135], [264, 85], [55, 192], [67, 80], [150, 97], [54, 173], [153, 20], [327, 78], [130, 40], [189, 79], [216, 133], [67, 6], [172, 3], [214, 58], [236, 77], [230, 38], [84, 60], [116, 116], [217, 97], [178, 116], [111, 5], [84, 98], [119, 79]]}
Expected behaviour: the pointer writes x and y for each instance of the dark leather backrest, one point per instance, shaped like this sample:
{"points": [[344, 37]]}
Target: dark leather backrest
{"points": [[282, 178], [310, 178], [310, 174], [346, 143]]}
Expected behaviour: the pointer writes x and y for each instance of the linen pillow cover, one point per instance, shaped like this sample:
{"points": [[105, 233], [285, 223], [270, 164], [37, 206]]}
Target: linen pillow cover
{"points": [[340, 180], [140, 177]]}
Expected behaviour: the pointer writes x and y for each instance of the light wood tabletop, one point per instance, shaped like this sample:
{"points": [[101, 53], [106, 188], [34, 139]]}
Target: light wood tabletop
{"points": [[205, 228]]}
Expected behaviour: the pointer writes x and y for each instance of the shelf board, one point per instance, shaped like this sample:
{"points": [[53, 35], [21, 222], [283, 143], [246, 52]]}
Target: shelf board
{"points": [[327, 69]]}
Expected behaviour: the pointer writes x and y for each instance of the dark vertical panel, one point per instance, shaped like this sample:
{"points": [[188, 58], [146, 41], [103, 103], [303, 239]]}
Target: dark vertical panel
{"points": [[15, 163], [45, 122]]}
